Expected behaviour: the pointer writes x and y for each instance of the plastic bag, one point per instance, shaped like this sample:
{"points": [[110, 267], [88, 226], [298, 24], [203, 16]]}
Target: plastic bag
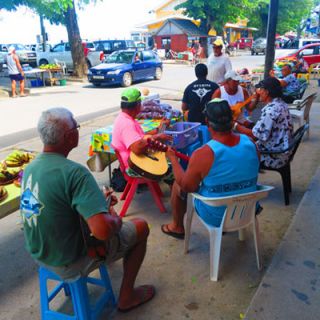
{"points": [[118, 182]]}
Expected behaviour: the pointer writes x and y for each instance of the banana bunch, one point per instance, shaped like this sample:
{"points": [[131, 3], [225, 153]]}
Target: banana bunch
{"points": [[7, 175], [3, 193], [18, 158]]}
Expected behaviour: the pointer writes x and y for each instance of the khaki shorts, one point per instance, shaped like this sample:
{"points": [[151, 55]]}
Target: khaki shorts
{"points": [[117, 247]]}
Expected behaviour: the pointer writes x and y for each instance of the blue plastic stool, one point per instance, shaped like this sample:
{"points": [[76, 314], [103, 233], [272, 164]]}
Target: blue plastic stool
{"points": [[78, 291], [204, 134]]}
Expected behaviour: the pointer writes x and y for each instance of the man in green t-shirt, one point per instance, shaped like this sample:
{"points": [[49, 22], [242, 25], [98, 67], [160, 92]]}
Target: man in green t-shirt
{"points": [[55, 191]]}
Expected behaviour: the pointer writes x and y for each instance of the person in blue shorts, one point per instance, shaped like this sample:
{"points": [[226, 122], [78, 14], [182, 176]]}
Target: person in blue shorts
{"points": [[15, 72]]}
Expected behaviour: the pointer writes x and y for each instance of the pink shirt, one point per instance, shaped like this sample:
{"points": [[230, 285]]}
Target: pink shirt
{"points": [[126, 131]]}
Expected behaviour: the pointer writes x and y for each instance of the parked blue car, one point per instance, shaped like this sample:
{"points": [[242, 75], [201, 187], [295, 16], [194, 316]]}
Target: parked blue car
{"points": [[126, 66]]}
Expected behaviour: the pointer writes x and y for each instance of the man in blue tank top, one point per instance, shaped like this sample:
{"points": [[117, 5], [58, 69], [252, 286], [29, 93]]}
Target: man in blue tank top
{"points": [[227, 165]]}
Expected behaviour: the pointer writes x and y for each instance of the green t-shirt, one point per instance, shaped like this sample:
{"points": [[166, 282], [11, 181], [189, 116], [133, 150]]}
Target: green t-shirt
{"points": [[54, 191]]}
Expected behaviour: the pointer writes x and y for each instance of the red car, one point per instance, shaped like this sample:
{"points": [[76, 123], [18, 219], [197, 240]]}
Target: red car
{"points": [[309, 53], [243, 43]]}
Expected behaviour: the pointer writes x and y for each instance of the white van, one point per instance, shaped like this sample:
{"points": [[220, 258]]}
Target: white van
{"points": [[292, 45]]}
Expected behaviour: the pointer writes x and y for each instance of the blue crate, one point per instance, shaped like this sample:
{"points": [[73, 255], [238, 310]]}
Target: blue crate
{"points": [[36, 83], [183, 133]]}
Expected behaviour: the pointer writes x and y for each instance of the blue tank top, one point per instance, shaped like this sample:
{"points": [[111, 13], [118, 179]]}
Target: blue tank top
{"points": [[234, 171]]}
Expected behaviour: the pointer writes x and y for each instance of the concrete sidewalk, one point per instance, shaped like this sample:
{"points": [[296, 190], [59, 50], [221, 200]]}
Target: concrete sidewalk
{"points": [[291, 287], [184, 290]]}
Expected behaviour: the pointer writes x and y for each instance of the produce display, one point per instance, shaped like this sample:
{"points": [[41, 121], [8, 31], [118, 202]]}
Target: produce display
{"points": [[154, 109], [18, 158], [51, 66], [8, 175], [3, 193]]}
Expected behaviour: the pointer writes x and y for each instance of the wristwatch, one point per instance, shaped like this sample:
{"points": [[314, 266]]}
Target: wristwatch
{"points": [[235, 126]]}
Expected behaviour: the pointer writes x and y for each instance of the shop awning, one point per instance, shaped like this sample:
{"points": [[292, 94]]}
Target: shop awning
{"points": [[186, 26]]}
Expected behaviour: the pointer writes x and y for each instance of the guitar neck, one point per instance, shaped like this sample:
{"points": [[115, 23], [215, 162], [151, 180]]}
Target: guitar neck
{"points": [[156, 145], [182, 156]]}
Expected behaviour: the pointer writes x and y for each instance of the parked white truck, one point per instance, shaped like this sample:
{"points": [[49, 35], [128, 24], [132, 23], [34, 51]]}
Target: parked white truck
{"points": [[62, 53], [2, 60]]}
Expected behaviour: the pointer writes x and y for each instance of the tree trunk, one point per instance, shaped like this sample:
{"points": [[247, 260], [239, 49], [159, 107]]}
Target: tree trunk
{"points": [[79, 62], [271, 36]]}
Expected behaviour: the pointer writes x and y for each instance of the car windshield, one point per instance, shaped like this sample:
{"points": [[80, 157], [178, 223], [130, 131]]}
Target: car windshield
{"points": [[120, 57], [17, 46]]}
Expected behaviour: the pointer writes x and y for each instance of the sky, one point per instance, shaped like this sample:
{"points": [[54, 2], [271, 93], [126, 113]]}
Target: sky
{"points": [[108, 19]]}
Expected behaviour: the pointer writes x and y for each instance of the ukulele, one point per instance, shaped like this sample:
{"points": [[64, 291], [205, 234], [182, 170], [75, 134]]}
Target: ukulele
{"points": [[153, 164], [236, 108]]}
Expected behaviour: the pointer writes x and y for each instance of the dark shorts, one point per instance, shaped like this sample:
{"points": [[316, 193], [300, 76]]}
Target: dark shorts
{"points": [[16, 77], [117, 247]]}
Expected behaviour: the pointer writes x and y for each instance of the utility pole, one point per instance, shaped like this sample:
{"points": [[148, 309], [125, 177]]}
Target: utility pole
{"points": [[271, 36], [43, 34]]}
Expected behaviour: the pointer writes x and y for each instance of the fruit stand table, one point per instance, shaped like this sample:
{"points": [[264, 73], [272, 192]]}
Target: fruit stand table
{"points": [[36, 72], [12, 202], [41, 71]]}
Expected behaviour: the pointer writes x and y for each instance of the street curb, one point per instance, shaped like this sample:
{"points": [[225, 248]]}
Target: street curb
{"points": [[6, 92], [182, 62]]}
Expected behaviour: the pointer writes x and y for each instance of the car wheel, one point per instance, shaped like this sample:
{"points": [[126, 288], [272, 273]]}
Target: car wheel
{"points": [[88, 64], [252, 52], [158, 73], [126, 79], [43, 61]]}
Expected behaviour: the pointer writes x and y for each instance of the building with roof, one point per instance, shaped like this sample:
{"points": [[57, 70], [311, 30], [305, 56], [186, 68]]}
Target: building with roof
{"points": [[176, 34], [171, 27]]}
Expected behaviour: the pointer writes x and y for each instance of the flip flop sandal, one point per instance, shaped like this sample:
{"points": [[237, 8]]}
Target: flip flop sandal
{"points": [[144, 298], [165, 229]]}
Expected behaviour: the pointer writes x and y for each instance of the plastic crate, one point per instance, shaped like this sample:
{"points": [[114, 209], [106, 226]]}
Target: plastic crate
{"points": [[36, 83], [183, 133]]}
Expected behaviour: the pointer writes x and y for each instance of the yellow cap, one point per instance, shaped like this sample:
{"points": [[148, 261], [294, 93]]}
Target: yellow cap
{"points": [[218, 43]]}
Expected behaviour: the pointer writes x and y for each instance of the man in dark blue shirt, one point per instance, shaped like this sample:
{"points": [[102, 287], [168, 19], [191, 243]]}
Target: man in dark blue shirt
{"points": [[197, 94]]}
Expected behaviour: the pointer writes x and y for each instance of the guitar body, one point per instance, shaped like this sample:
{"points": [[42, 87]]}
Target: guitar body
{"points": [[236, 109], [151, 165]]}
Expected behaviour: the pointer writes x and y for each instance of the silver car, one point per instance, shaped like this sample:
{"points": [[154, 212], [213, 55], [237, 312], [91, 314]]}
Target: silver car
{"points": [[25, 56], [259, 46]]}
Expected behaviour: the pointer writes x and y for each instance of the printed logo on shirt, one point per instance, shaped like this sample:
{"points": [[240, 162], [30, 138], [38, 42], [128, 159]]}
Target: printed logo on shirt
{"points": [[201, 92], [30, 205]]}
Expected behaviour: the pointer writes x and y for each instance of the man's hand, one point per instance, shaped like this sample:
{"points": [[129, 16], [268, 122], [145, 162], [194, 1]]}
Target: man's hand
{"points": [[108, 193], [165, 122], [162, 137], [170, 154]]}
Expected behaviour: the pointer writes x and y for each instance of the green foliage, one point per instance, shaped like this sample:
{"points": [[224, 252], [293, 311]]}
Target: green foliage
{"points": [[216, 13], [290, 16]]}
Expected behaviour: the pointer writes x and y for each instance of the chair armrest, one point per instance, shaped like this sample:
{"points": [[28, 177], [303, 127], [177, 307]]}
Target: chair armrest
{"points": [[270, 152]]}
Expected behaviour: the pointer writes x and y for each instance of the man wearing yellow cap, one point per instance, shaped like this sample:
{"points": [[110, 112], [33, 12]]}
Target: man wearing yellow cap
{"points": [[218, 63]]}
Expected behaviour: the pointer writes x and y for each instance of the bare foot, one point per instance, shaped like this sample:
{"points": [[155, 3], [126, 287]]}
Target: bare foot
{"points": [[140, 296]]}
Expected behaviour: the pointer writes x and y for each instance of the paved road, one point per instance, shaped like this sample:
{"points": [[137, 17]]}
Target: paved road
{"points": [[19, 116]]}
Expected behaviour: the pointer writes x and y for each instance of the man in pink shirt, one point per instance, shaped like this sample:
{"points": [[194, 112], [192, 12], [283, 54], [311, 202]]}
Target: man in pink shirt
{"points": [[127, 133]]}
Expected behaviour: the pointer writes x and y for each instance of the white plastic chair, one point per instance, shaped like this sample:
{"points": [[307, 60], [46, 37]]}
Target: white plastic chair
{"points": [[300, 112], [62, 65], [239, 214]]}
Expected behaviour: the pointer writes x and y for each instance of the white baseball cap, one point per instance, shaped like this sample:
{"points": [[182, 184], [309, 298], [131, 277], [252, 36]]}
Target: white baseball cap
{"points": [[231, 74], [11, 49]]}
